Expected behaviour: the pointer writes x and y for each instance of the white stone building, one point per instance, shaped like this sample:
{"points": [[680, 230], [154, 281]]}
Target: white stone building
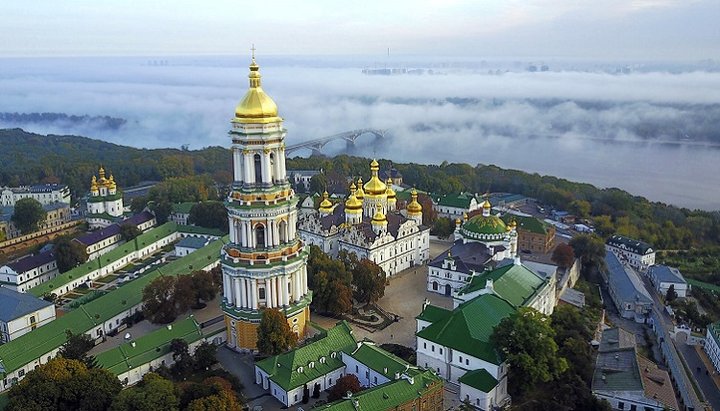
{"points": [[368, 224], [455, 205], [27, 272], [21, 313], [43, 193], [636, 254], [712, 345], [663, 277], [480, 243], [105, 202]]}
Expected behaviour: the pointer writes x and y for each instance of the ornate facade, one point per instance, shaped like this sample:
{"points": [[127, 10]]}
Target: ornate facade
{"points": [[264, 264], [105, 202], [369, 225]]}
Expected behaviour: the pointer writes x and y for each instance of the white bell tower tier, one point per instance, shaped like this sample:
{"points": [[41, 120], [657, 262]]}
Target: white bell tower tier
{"points": [[265, 263]]}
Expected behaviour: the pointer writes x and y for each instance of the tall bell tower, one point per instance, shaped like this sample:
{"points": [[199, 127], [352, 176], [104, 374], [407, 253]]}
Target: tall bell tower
{"points": [[265, 264]]}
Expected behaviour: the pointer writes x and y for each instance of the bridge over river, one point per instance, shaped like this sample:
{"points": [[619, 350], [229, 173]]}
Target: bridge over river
{"points": [[316, 145]]}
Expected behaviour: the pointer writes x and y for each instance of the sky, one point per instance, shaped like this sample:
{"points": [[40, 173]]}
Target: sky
{"points": [[666, 30]]}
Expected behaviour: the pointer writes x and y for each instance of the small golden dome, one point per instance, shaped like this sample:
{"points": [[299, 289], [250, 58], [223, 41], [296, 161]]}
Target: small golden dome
{"points": [[486, 204], [414, 208], [352, 203], [465, 216], [93, 184], [360, 194], [390, 192], [326, 204], [379, 218], [256, 106], [375, 186]]}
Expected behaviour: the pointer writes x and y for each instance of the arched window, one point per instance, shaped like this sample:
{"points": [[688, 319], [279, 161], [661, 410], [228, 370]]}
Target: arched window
{"points": [[282, 228], [259, 235], [258, 169], [272, 166], [261, 293]]}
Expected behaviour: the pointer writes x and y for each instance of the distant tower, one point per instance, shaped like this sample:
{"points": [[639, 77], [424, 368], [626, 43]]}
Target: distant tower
{"points": [[265, 264], [105, 202]]}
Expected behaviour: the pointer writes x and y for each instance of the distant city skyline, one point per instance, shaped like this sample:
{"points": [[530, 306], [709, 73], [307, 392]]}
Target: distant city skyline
{"points": [[661, 30]]}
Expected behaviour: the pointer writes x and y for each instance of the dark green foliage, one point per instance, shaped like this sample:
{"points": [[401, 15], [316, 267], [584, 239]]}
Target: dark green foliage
{"points": [[167, 297], [590, 249], [64, 384], [153, 393], [670, 295], [128, 232], [77, 347], [205, 356], [274, 333], [369, 281], [318, 183], [526, 341], [442, 227], [68, 253], [28, 215], [210, 214]]}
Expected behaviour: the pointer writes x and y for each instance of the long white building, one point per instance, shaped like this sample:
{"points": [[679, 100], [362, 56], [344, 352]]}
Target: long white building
{"points": [[43, 193]]}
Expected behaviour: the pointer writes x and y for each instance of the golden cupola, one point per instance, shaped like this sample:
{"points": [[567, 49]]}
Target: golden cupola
{"points": [[353, 204], [375, 186], [325, 205], [360, 194], [256, 106], [101, 173], [93, 184], [379, 218], [111, 183], [390, 192], [414, 208]]}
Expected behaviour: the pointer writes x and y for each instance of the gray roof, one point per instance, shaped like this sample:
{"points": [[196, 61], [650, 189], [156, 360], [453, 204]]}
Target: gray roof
{"points": [[138, 219], [616, 339], [28, 263], [14, 304], [635, 246], [192, 242], [99, 235], [626, 282], [472, 256], [666, 274], [574, 297], [545, 271]]}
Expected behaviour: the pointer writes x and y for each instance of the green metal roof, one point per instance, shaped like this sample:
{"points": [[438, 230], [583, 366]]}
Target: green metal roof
{"points": [[461, 200], [531, 224], [480, 224], [182, 208], [433, 313], [42, 340], [380, 360], [469, 327], [390, 395], [515, 283], [193, 229], [293, 369], [139, 242], [479, 379], [149, 347], [109, 197]]}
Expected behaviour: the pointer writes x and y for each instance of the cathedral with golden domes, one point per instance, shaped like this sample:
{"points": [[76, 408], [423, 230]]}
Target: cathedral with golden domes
{"points": [[369, 224], [264, 264], [105, 202]]}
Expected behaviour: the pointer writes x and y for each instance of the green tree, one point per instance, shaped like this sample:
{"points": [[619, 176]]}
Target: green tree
{"points": [[671, 294], [343, 385], [590, 249], [64, 384], [205, 287], [318, 183], [209, 214], [68, 253], [77, 347], [167, 297], [138, 204], [525, 339], [369, 281], [580, 208], [153, 393], [340, 298], [274, 333], [161, 209], [442, 227], [205, 356], [128, 231], [28, 215], [563, 255]]}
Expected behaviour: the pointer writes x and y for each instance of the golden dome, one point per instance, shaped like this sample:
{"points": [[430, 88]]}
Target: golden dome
{"points": [[352, 203], [390, 192], [486, 205], [93, 184], [414, 207], [326, 204], [256, 106], [375, 186], [360, 194], [379, 218]]}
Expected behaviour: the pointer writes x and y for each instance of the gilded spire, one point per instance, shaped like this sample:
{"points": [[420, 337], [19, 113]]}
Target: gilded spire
{"points": [[326, 204], [256, 106], [414, 208], [374, 186]]}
